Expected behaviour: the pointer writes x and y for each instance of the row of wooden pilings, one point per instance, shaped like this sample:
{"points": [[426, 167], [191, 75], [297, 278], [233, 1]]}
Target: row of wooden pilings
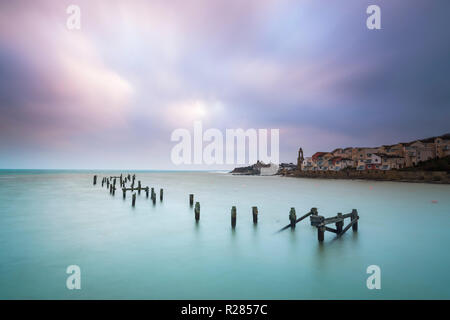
{"points": [[233, 212], [111, 182], [316, 220]]}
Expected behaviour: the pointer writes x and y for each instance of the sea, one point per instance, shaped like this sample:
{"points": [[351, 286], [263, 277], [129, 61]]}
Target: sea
{"points": [[53, 219]]}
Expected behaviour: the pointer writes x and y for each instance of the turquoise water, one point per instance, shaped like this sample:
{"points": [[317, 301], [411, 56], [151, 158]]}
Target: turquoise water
{"points": [[52, 219]]}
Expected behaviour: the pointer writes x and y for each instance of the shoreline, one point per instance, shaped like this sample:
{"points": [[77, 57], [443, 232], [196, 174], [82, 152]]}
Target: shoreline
{"points": [[432, 177]]}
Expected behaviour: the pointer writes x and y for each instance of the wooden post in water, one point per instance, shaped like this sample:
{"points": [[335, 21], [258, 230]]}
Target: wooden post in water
{"points": [[110, 188], [339, 224], [139, 187], [191, 199], [133, 201], [292, 218], [321, 233], [146, 191], [161, 194], [113, 191], [103, 182], [255, 215], [114, 182], [314, 212], [153, 196], [107, 183], [233, 217], [197, 211], [124, 192], [354, 217], [95, 180]]}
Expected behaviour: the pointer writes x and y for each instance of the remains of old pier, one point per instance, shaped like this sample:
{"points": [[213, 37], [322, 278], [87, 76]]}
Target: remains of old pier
{"points": [[316, 220], [321, 223]]}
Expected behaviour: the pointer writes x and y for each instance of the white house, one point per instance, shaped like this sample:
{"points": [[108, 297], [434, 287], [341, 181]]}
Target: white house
{"points": [[269, 170]]}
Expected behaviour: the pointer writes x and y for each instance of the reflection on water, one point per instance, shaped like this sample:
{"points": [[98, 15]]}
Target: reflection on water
{"points": [[51, 220]]}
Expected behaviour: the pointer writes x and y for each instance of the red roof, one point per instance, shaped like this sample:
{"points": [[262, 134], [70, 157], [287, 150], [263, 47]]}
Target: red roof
{"points": [[336, 159], [318, 154]]}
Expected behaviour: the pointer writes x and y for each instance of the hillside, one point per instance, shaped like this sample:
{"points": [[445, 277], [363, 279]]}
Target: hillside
{"points": [[442, 164]]}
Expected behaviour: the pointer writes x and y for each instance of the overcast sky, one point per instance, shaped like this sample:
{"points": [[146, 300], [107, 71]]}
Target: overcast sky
{"points": [[109, 95]]}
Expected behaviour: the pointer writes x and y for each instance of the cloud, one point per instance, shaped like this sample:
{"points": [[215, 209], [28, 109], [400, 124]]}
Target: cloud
{"points": [[138, 70], [52, 94]]}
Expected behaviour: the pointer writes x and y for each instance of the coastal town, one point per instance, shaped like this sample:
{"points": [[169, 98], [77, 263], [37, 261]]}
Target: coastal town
{"points": [[424, 160], [386, 157]]}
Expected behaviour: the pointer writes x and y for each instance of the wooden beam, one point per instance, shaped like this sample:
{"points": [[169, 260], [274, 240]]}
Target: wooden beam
{"points": [[298, 220], [337, 218], [331, 230], [348, 226]]}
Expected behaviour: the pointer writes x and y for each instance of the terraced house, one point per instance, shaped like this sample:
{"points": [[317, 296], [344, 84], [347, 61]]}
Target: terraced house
{"points": [[386, 157]]}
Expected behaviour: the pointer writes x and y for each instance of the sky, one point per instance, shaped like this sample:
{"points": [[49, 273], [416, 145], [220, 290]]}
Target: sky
{"points": [[108, 96]]}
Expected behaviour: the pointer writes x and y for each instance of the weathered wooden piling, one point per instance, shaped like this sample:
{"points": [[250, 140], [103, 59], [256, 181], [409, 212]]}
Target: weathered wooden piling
{"points": [[320, 233], [339, 224], [110, 188], [133, 202], [191, 199], [161, 194], [292, 218], [233, 216], [255, 215], [147, 191], [103, 182], [124, 192], [129, 177], [107, 183], [139, 187], [197, 211], [95, 180], [114, 182], [113, 191], [153, 195], [354, 220]]}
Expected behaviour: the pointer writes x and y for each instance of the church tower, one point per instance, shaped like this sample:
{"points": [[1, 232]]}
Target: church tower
{"points": [[300, 159]]}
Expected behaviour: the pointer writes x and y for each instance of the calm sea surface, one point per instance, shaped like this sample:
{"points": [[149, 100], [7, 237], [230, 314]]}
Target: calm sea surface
{"points": [[52, 219]]}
